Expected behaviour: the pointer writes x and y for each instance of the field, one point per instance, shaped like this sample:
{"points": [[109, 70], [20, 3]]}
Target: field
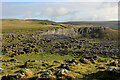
{"points": [[42, 49]]}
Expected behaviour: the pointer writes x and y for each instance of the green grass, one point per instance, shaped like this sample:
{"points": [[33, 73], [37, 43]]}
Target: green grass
{"points": [[29, 28], [38, 56], [42, 56], [78, 71], [37, 66]]}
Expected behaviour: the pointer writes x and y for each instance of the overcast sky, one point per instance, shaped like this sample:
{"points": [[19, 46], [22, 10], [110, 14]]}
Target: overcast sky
{"points": [[61, 11]]}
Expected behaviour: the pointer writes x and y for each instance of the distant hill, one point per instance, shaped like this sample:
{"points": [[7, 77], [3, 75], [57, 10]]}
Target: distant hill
{"points": [[111, 24]]}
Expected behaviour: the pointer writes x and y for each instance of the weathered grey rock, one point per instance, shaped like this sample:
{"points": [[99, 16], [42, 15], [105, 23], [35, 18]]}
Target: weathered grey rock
{"points": [[62, 72], [74, 60], [17, 76], [92, 61], [27, 49], [113, 64], [34, 61], [78, 63], [101, 60], [28, 73], [52, 69], [112, 69], [47, 74], [27, 63], [83, 60], [62, 66]]}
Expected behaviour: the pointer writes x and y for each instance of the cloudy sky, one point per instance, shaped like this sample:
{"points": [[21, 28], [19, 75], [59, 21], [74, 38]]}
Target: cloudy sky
{"points": [[61, 11]]}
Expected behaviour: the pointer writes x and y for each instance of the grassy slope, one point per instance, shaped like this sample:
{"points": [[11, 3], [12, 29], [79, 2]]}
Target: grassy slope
{"points": [[9, 25]]}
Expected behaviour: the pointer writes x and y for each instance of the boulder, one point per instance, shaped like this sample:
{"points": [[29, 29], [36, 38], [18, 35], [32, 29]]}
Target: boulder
{"points": [[113, 64], [56, 61], [12, 77], [74, 60], [22, 52], [92, 61], [101, 60], [47, 74], [27, 49], [66, 66], [26, 64], [36, 50], [28, 73], [112, 69], [52, 69], [18, 76], [94, 57], [50, 72], [78, 63], [83, 60], [88, 57], [62, 72], [62, 66], [15, 54], [34, 61], [73, 63]]}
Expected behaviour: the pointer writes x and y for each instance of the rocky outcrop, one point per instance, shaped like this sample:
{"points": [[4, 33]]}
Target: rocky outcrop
{"points": [[90, 29], [74, 31]]}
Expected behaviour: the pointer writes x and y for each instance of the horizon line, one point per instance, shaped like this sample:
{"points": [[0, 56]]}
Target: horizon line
{"points": [[63, 21]]}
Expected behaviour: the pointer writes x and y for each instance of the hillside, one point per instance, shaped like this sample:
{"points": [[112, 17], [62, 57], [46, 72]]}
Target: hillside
{"points": [[9, 25], [12, 25]]}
